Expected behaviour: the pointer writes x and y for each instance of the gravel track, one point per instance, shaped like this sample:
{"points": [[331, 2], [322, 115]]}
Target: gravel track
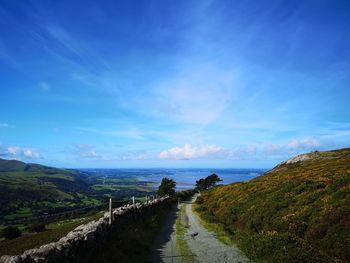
{"points": [[164, 248], [204, 244]]}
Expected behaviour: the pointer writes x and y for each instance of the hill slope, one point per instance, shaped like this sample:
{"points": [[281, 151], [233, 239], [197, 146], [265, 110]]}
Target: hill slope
{"points": [[297, 212], [30, 188]]}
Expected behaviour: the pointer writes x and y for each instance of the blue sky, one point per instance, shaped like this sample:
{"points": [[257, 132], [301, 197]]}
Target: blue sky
{"points": [[173, 83]]}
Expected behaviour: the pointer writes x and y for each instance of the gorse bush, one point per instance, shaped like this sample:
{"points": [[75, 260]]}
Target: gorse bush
{"points": [[297, 212]]}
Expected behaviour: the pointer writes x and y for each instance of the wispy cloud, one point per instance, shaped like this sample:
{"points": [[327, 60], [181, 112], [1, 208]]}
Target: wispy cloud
{"points": [[4, 125], [134, 156], [44, 86], [243, 152], [293, 146], [59, 42], [128, 132], [303, 144], [188, 152], [88, 153], [84, 151], [339, 126], [194, 94], [63, 38], [195, 86]]}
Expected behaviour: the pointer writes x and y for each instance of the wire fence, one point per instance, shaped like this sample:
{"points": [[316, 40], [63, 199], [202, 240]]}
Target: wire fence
{"points": [[49, 216]]}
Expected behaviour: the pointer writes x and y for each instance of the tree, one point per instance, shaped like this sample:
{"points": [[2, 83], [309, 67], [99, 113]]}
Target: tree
{"points": [[212, 180], [201, 185], [11, 232], [208, 182], [185, 194], [167, 187]]}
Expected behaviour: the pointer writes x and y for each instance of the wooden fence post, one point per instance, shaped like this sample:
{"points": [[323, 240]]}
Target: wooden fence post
{"points": [[110, 211], [134, 210]]}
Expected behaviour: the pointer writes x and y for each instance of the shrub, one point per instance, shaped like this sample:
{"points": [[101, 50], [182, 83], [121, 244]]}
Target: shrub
{"points": [[37, 227], [185, 195], [11, 232]]}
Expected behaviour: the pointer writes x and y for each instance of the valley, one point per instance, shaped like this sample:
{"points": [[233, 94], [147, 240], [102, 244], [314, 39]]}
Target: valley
{"points": [[32, 191]]}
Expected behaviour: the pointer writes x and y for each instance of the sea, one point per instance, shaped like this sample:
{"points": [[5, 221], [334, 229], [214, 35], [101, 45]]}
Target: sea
{"points": [[186, 178]]}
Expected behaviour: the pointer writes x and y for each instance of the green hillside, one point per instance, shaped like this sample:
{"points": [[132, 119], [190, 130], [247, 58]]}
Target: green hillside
{"points": [[11, 165], [33, 189], [297, 212]]}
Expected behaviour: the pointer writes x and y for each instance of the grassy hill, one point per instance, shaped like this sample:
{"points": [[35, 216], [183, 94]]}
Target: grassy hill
{"points": [[33, 189], [297, 212]]}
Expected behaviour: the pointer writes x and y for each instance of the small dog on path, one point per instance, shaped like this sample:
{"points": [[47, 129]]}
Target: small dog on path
{"points": [[194, 235]]}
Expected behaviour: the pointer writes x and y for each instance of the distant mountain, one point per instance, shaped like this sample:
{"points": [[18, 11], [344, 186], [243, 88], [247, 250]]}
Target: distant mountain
{"points": [[297, 212], [26, 188], [11, 165], [64, 180]]}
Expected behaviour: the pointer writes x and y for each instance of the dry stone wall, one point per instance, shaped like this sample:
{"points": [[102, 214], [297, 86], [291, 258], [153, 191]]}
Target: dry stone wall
{"points": [[88, 239]]}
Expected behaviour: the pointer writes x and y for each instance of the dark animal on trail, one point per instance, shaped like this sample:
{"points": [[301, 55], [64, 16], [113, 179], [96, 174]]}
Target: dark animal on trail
{"points": [[194, 235]]}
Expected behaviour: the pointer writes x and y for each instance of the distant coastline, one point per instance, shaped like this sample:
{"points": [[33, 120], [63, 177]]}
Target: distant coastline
{"points": [[185, 177]]}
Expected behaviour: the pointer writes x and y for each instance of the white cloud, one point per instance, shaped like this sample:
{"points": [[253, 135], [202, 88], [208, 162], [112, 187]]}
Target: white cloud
{"points": [[18, 152], [29, 153], [293, 146], [13, 150], [190, 152], [306, 143]]}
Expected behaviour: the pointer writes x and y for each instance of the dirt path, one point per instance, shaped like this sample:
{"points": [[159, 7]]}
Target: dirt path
{"points": [[204, 244], [164, 248]]}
